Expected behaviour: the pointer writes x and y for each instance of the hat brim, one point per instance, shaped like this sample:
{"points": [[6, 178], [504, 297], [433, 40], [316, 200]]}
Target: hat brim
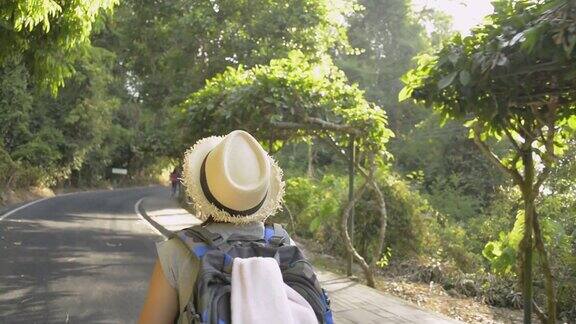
{"points": [[191, 178]]}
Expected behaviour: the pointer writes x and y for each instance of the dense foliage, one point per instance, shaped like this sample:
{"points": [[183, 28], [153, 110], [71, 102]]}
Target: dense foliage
{"points": [[287, 98], [47, 35], [315, 203], [46, 137], [513, 78], [169, 49]]}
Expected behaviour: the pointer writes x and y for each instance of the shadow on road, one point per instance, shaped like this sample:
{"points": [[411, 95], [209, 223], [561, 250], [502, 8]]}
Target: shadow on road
{"points": [[75, 260]]}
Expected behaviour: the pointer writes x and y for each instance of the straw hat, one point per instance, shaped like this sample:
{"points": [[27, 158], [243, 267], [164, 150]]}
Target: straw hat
{"points": [[232, 179]]}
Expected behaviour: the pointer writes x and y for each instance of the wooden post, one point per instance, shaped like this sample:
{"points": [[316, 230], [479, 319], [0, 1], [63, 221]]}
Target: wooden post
{"points": [[351, 158]]}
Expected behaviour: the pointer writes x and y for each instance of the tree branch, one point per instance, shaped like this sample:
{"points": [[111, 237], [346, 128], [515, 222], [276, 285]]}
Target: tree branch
{"points": [[511, 139], [328, 140], [326, 124], [314, 123], [545, 265], [549, 156], [496, 161], [348, 241], [383, 221], [291, 217], [338, 149], [542, 67], [523, 131], [541, 316], [379, 197]]}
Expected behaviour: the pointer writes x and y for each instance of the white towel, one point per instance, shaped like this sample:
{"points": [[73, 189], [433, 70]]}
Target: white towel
{"points": [[260, 296]]}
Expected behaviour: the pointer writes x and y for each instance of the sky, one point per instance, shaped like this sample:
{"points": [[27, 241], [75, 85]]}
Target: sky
{"points": [[465, 13]]}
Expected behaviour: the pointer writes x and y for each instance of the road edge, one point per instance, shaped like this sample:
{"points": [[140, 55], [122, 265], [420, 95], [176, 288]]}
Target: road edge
{"points": [[155, 226], [11, 209], [30, 203]]}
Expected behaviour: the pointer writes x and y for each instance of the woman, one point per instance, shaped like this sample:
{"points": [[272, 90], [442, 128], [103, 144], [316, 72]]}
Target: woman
{"points": [[234, 186], [175, 182]]}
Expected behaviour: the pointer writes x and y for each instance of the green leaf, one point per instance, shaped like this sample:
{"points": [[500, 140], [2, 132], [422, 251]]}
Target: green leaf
{"points": [[464, 77], [531, 37], [405, 93], [315, 224], [572, 122], [488, 251], [515, 236], [447, 80]]}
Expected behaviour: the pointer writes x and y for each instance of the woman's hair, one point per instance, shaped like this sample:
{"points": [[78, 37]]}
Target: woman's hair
{"points": [[210, 220]]}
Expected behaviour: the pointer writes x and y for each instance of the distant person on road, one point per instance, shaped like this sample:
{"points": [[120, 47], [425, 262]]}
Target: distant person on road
{"points": [[233, 268], [175, 181]]}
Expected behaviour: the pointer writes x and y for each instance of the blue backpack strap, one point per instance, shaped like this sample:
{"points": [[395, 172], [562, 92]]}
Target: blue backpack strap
{"points": [[276, 235], [200, 240], [268, 232], [198, 248], [328, 319]]}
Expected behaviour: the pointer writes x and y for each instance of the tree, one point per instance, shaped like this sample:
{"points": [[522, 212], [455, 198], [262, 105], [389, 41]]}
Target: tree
{"points": [[292, 99], [513, 80], [386, 37], [48, 35], [46, 138], [199, 39], [389, 34], [169, 49]]}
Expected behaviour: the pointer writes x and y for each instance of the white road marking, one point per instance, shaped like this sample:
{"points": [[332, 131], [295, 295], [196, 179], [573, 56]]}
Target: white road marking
{"points": [[10, 212], [22, 207], [137, 211], [37, 201]]}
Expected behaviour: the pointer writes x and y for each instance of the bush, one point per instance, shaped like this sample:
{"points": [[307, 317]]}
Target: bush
{"points": [[316, 206]]}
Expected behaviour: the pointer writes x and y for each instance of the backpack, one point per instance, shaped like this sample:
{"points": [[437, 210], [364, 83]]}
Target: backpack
{"points": [[210, 302]]}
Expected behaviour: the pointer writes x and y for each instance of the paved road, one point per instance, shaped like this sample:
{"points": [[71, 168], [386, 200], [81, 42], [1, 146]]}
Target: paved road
{"points": [[80, 258]]}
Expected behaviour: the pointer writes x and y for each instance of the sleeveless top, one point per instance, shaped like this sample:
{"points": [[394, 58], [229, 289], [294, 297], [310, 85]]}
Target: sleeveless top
{"points": [[180, 267]]}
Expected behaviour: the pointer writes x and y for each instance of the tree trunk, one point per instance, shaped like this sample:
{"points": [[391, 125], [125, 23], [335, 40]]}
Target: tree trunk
{"points": [[347, 240], [311, 154], [529, 208], [292, 225], [383, 223], [527, 261], [10, 180], [549, 278]]}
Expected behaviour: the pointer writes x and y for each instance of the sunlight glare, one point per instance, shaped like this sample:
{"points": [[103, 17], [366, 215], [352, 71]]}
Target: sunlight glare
{"points": [[465, 13]]}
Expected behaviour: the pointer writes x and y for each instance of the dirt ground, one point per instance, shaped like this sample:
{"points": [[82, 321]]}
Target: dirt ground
{"points": [[428, 296], [435, 298], [17, 196]]}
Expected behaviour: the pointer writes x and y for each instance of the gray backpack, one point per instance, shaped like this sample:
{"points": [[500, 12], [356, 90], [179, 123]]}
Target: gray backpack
{"points": [[210, 302]]}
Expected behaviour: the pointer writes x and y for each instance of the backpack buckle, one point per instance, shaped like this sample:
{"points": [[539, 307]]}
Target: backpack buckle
{"points": [[193, 317], [328, 301], [216, 240], [277, 240]]}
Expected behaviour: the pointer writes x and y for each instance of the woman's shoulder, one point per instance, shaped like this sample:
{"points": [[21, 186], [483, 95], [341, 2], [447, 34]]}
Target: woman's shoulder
{"points": [[179, 267], [174, 257], [172, 247]]}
